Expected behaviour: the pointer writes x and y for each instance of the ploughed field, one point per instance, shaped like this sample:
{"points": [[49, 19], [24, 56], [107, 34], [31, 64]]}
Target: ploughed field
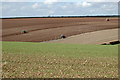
{"points": [[45, 29]]}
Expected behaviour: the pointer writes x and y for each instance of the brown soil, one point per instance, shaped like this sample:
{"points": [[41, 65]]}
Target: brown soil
{"points": [[45, 29]]}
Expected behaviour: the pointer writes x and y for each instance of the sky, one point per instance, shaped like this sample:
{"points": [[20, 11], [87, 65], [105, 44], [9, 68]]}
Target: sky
{"points": [[59, 0], [38, 8]]}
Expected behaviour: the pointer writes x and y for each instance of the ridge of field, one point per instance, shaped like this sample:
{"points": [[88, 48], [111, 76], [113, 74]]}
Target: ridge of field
{"points": [[45, 29], [51, 60]]}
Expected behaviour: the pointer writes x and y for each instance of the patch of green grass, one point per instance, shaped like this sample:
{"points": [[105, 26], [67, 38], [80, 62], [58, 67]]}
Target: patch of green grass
{"points": [[74, 50], [48, 60]]}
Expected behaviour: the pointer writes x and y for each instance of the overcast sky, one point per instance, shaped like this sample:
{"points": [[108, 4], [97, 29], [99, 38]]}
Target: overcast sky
{"points": [[13, 8]]}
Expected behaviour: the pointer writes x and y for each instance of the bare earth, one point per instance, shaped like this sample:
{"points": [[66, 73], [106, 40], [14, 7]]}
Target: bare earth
{"points": [[96, 37], [46, 29]]}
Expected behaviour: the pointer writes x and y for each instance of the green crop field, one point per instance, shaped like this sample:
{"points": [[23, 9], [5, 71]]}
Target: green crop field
{"points": [[52, 60]]}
